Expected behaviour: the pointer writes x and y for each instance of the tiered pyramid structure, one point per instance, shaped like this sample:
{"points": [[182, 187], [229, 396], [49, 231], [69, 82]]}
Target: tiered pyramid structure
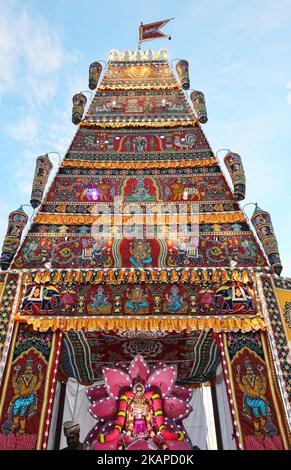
{"points": [[138, 247]]}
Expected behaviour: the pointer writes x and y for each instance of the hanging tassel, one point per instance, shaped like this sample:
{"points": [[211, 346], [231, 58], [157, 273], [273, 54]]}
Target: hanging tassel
{"points": [[143, 276], [198, 100], [205, 276], [46, 277], [235, 275], [262, 223], [163, 278], [95, 70], [235, 168], [246, 278], [182, 68], [120, 277], [57, 278], [174, 276], [131, 278], [38, 277], [16, 223], [185, 276], [194, 278], [79, 103], [42, 171], [215, 276], [225, 276], [88, 276], [110, 277], [99, 277], [78, 277]]}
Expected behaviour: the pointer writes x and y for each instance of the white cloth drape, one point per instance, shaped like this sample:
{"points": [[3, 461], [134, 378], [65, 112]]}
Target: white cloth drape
{"points": [[53, 425], [224, 412], [196, 424], [76, 409]]}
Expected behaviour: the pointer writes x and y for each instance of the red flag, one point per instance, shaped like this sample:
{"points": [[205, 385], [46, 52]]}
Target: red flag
{"points": [[152, 30]]}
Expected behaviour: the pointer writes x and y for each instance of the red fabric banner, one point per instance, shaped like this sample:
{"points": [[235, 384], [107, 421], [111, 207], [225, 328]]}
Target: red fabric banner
{"points": [[152, 30]]}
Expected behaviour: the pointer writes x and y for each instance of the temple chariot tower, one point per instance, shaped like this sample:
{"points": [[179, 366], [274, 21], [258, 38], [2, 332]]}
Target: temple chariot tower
{"points": [[140, 251]]}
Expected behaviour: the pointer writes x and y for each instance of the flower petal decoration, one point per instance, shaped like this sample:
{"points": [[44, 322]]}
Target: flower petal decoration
{"points": [[166, 402], [176, 409], [104, 409], [94, 433], [115, 381], [138, 369], [176, 445], [112, 445], [183, 393], [164, 379], [96, 393]]}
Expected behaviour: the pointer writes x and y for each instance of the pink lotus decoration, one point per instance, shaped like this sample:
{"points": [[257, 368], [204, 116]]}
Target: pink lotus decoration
{"points": [[140, 409]]}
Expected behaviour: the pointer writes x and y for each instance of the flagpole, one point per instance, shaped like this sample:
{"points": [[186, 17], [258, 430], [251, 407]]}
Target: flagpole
{"points": [[139, 37]]}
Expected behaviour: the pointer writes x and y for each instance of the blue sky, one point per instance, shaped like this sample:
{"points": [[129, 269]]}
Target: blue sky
{"points": [[239, 53]]}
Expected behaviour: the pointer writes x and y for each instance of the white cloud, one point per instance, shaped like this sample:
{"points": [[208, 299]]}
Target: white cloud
{"points": [[28, 45], [41, 90], [3, 220], [289, 92], [26, 129]]}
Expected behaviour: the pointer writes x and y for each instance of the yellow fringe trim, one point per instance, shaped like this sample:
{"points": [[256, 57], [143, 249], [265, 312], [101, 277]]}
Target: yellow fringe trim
{"points": [[145, 324], [107, 276], [222, 217], [138, 124], [139, 165], [138, 87]]}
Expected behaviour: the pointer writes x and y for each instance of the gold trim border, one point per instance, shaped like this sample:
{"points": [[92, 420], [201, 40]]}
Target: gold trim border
{"points": [[128, 124]]}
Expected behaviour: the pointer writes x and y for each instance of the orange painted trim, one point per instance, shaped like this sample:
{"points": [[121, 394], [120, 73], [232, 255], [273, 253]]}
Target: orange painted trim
{"points": [[64, 219], [140, 165], [163, 323], [115, 125], [138, 87]]}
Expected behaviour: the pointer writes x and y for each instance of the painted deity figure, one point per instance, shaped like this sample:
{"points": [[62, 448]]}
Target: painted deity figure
{"points": [[139, 415], [255, 404], [132, 106], [174, 301], [139, 144], [140, 193], [24, 402], [137, 300], [100, 300], [140, 253]]}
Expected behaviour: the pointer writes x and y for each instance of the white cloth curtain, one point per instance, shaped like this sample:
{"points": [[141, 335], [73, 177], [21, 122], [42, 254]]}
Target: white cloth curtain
{"points": [[76, 409], [224, 412], [196, 424], [53, 426]]}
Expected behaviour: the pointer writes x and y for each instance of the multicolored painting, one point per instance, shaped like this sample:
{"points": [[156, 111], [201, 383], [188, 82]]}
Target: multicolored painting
{"points": [[24, 392], [156, 145], [255, 392], [209, 298], [162, 104], [277, 293], [63, 250], [85, 354], [120, 75], [8, 288], [144, 188]]}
